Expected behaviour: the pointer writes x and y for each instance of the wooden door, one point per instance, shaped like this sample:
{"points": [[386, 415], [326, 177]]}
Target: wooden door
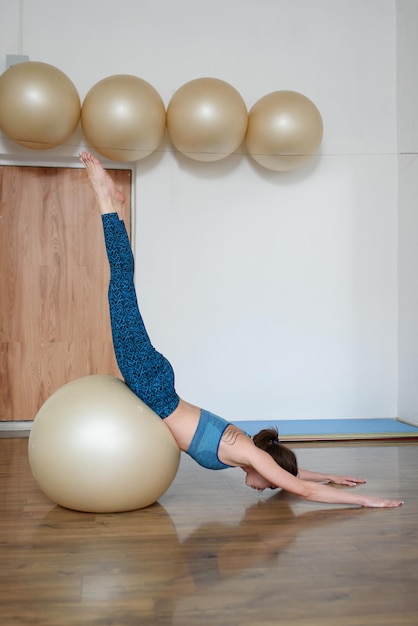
{"points": [[54, 320]]}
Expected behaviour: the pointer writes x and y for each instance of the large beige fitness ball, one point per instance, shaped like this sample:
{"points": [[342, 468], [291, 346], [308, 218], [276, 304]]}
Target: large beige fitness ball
{"points": [[207, 119], [284, 129], [123, 118], [39, 105], [95, 447]]}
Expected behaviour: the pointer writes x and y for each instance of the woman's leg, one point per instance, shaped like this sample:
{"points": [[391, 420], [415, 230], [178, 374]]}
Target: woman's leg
{"points": [[146, 371]]}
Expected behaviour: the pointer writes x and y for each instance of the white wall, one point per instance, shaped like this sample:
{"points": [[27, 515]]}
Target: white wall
{"points": [[274, 295], [407, 90]]}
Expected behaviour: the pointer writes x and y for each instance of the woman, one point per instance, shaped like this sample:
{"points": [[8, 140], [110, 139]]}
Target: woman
{"points": [[210, 440]]}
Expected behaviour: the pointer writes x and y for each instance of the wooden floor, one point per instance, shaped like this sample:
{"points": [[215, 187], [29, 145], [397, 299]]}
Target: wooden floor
{"points": [[214, 552]]}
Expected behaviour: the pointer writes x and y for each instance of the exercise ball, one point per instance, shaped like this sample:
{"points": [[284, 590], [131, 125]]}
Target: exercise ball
{"points": [[207, 119], [95, 447], [284, 130], [39, 105], [123, 118]]}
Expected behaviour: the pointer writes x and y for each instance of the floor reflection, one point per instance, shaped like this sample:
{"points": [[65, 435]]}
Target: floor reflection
{"points": [[137, 562]]}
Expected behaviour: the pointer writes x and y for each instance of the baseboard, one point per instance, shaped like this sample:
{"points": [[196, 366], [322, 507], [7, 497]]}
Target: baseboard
{"points": [[16, 426], [300, 430], [409, 421]]}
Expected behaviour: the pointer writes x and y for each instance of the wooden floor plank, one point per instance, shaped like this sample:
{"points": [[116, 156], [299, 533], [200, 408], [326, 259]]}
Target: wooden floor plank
{"points": [[214, 552]]}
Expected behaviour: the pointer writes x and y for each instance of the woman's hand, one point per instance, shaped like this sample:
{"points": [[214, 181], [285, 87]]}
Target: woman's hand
{"points": [[380, 503], [349, 481]]}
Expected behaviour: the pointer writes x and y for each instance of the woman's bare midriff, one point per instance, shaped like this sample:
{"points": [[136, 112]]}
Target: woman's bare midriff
{"points": [[183, 423]]}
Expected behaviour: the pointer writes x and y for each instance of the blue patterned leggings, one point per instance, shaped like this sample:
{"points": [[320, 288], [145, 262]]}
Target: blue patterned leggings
{"points": [[146, 372]]}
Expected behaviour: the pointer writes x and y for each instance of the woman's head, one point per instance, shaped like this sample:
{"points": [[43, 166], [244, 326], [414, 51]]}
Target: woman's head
{"points": [[268, 440]]}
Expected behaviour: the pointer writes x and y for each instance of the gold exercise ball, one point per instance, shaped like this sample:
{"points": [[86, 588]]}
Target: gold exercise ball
{"points": [[39, 105], [123, 118], [284, 129], [207, 119], [95, 447]]}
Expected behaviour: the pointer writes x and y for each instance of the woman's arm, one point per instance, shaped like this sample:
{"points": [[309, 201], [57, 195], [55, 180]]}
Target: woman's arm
{"points": [[317, 477], [264, 464], [318, 492]]}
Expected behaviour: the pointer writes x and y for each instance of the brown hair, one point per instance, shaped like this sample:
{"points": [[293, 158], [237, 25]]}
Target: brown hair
{"points": [[268, 440]]}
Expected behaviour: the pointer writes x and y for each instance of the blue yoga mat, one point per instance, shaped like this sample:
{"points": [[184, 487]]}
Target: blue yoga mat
{"points": [[323, 430]]}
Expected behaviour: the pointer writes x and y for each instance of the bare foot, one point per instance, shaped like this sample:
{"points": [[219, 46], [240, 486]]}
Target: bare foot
{"points": [[108, 197]]}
